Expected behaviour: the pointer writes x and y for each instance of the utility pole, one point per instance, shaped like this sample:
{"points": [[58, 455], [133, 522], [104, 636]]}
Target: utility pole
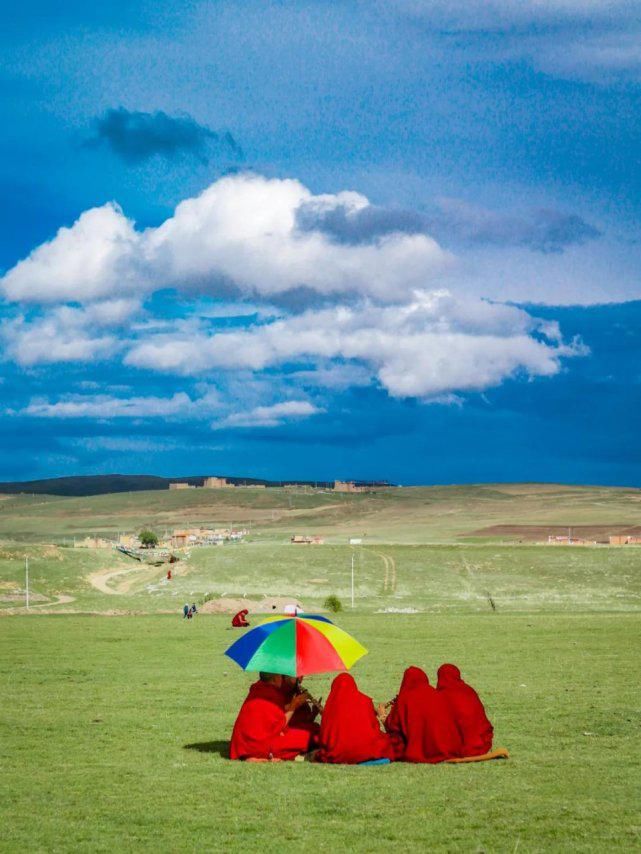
{"points": [[352, 579], [26, 574]]}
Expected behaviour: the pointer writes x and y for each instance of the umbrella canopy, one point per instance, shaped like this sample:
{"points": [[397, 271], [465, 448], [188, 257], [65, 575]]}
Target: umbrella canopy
{"points": [[296, 646]]}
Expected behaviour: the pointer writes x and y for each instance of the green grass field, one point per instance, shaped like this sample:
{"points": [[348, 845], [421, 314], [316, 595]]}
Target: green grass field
{"points": [[113, 730]]}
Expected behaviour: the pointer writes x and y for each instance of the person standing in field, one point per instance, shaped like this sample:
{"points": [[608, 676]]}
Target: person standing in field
{"points": [[264, 729], [185, 612], [467, 711]]}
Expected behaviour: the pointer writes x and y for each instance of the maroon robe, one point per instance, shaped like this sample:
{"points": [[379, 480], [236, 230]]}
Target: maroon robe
{"points": [[261, 730], [422, 718], [467, 710], [350, 731], [239, 621]]}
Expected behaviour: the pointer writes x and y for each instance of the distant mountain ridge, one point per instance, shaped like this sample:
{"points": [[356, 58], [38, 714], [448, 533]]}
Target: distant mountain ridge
{"points": [[102, 484]]}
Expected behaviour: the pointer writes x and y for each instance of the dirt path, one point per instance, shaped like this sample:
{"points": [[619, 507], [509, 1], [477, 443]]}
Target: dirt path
{"points": [[389, 581], [100, 580], [61, 599]]}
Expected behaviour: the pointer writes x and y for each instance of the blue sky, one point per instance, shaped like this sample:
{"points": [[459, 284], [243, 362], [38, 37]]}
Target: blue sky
{"points": [[308, 240]]}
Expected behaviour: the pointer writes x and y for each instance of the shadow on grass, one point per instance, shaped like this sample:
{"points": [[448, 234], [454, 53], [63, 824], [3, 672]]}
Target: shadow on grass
{"points": [[219, 747]]}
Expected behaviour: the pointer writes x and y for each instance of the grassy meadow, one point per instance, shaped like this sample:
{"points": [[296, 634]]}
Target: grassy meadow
{"points": [[113, 730]]}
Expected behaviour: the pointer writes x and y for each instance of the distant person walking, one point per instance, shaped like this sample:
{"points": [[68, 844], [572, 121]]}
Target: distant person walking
{"points": [[185, 612]]}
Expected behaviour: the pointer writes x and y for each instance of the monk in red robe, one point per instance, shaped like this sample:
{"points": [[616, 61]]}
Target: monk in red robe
{"points": [[412, 678], [421, 721], [305, 716], [239, 621], [350, 731], [467, 710], [263, 727]]}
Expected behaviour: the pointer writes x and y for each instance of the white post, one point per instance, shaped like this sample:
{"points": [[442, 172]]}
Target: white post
{"points": [[352, 579], [26, 573]]}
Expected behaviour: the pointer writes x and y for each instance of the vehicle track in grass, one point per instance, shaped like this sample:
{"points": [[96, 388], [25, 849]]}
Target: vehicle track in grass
{"points": [[390, 577]]}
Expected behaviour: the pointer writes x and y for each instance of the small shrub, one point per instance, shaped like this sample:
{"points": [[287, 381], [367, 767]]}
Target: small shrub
{"points": [[333, 604]]}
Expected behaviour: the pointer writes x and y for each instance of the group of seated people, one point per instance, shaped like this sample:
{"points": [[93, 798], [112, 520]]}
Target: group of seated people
{"points": [[277, 721]]}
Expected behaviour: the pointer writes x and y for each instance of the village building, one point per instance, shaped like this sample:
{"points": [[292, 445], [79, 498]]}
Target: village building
{"points": [[349, 486], [217, 483], [625, 540], [299, 540], [181, 485]]}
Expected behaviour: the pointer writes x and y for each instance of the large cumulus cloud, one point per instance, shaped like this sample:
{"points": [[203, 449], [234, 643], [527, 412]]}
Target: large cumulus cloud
{"points": [[240, 234], [382, 316]]}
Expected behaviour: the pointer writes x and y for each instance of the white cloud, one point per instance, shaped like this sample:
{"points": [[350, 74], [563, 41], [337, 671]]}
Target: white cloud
{"points": [[239, 234], [432, 345], [106, 406], [96, 257], [269, 416], [68, 334]]}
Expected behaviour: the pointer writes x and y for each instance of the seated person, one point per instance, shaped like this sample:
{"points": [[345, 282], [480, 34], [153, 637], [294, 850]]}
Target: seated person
{"points": [[420, 722], [239, 621], [467, 710], [350, 731], [305, 715], [263, 727]]}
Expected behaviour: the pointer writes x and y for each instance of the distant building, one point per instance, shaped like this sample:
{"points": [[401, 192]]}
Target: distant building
{"points": [[180, 485], [349, 486], [182, 537], [300, 540], [625, 540], [569, 541], [216, 483]]}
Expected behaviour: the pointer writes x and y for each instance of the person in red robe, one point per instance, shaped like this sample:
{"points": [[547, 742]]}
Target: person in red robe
{"points": [[305, 716], [421, 721], [263, 727], [412, 678], [350, 731], [467, 710], [239, 621]]}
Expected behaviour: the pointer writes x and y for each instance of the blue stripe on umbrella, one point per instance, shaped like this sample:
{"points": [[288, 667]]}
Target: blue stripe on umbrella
{"points": [[244, 648]]}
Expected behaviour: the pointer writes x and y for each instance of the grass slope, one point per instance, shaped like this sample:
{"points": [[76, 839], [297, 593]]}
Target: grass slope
{"points": [[112, 732], [410, 515], [438, 578]]}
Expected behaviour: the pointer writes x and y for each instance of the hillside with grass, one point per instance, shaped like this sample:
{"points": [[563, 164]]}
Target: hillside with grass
{"points": [[403, 515]]}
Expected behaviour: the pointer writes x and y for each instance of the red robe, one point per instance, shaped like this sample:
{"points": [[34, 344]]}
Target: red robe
{"points": [[239, 620], [467, 710], [350, 732], [261, 730], [422, 718], [412, 678], [303, 717]]}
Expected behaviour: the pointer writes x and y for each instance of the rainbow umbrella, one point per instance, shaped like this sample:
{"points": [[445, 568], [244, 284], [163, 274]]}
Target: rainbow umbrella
{"points": [[296, 646]]}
